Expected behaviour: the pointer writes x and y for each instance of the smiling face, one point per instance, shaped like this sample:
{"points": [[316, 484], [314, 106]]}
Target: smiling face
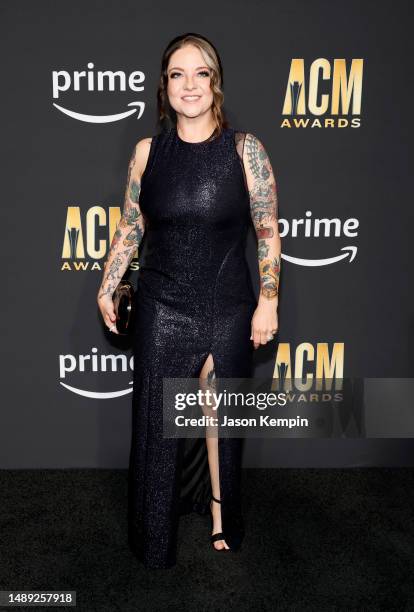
{"points": [[189, 89]]}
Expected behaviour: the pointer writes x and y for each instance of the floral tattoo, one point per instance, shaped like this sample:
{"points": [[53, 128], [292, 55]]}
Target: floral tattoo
{"points": [[264, 212], [127, 236]]}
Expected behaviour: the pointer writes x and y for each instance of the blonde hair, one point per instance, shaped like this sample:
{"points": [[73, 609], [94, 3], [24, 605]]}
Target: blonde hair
{"points": [[165, 112]]}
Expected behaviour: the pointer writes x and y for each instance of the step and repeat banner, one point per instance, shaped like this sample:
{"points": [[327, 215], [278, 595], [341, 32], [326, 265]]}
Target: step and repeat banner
{"points": [[326, 89]]}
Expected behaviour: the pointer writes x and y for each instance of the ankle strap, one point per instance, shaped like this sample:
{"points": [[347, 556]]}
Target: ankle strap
{"points": [[216, 500]]}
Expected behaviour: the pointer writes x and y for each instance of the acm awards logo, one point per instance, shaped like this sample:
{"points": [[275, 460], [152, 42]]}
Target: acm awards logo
{"points": [[310, 366], [101, 80], [87, 238], [330, 93], [306, 366]]}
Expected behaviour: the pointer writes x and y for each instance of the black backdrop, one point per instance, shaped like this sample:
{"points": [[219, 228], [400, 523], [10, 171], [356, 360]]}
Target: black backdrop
{"points": [[65, 151]]}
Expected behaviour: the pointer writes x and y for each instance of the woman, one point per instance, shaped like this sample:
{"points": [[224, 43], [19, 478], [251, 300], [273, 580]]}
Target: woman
{"points": [[192, 189]]}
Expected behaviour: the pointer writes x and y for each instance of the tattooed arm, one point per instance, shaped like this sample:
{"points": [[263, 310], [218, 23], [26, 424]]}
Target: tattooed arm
{"points": [[264, 211], [128, 234]]}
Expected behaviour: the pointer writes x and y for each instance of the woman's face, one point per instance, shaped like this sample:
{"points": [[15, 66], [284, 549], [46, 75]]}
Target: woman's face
{"points": [[188, 89]]}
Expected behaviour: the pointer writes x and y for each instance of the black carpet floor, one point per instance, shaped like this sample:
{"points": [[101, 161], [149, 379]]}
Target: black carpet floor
{"points": [[316, 539]]}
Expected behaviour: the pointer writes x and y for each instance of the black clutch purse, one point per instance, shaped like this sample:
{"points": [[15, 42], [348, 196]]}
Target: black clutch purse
{"points": [[124, 306]]}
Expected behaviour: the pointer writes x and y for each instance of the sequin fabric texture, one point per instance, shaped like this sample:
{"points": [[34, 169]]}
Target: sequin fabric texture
{"points": [[193, 296]]}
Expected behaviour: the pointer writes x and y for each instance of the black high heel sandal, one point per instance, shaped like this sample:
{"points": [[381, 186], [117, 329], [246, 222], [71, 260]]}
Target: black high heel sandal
{"points": [[220, 534]]}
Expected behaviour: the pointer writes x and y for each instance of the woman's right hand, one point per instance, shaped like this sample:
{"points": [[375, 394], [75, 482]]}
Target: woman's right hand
{"points": [[106, 306]]}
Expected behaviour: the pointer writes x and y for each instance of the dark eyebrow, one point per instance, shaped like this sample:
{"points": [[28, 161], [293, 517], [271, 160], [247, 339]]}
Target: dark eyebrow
{"points": [[177, 68]]}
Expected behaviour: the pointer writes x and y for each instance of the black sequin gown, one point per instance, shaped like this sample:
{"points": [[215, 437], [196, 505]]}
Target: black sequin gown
{"points": [[194, 296]]}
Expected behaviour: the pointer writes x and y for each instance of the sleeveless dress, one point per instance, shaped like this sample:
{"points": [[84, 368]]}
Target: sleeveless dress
{"points": [[194, 296]]}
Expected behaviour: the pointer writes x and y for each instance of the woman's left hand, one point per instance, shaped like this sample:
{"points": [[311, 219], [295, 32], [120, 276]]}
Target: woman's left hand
{"points": [[264, 322]]}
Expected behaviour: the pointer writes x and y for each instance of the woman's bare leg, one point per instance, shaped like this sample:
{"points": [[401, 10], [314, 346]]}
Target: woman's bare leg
{"points": [[207, 376]]}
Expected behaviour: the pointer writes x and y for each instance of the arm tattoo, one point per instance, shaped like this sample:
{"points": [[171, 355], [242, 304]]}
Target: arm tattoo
{"points": [[264, 212], [127, 236]]}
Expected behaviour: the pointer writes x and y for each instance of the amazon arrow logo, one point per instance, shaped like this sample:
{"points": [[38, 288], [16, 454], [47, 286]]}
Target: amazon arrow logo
{"points": [[98, 394], [103, 118], [350, 251]]}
